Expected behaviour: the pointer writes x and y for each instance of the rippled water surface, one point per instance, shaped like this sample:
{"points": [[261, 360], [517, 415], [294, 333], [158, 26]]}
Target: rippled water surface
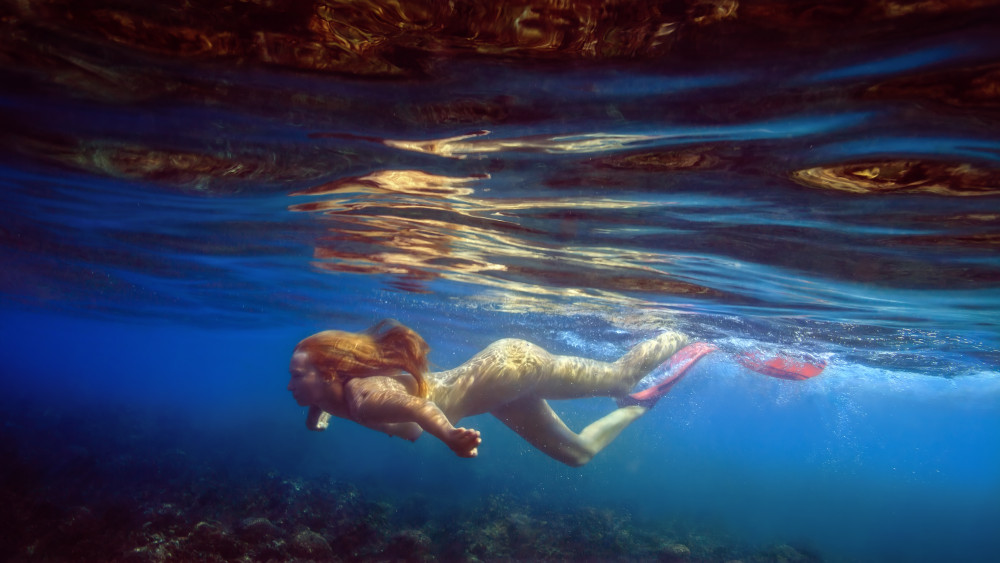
{"points": [[827, 170], [823, 177]]}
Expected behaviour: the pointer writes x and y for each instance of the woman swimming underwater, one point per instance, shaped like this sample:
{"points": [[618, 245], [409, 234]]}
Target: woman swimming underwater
{"points": [[379, 379]]}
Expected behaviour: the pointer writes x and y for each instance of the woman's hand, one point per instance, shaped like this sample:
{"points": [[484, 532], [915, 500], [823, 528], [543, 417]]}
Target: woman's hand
{"points": [[464, 441]]}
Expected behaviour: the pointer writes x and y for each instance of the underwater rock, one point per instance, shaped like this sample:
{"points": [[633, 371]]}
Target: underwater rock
{"points": [[210, 538], [409, 545], [158, 552], [80, 522], [164, 517], [675, 552], [310, 545], [786, 554], [520, 527], [258, 530]]}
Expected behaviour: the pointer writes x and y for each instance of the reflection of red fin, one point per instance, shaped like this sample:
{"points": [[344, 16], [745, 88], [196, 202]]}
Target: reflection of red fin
{"points": [[677, 366], [782, 366]]}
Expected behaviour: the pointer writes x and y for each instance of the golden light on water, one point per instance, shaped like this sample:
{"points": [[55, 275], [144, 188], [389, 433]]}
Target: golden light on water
{"points": [[418, 226], [903, 176], [466, 145], [409, 182]]}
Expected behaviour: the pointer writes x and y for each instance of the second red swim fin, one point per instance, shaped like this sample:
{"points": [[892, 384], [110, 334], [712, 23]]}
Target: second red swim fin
{"points": [[782, 366]]}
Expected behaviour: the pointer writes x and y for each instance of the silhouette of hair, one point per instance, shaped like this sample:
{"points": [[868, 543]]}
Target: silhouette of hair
{"points": [[389, 344]]}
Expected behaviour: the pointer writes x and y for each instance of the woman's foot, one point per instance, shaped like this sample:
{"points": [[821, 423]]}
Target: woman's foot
{"points": [[677, 367]]}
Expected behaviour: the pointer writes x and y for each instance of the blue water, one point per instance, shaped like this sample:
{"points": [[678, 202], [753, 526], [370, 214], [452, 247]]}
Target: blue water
{"points": [[173, 220]]}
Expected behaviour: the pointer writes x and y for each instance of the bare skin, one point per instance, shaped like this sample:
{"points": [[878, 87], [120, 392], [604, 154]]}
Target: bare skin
{"points": [[511, 379]]}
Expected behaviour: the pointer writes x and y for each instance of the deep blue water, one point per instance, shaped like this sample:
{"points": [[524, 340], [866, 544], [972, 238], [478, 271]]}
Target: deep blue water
{"points": [[185, 196]]}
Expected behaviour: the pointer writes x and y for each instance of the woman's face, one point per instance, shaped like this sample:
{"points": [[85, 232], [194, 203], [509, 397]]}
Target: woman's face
{"points": [[309, 388]]}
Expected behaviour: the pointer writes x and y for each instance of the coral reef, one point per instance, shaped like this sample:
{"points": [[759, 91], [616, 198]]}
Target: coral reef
{"points": [[98, 485]]}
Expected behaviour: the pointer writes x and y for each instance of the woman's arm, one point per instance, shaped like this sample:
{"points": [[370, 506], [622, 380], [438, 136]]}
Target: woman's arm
{"points": [[405, 430], [380, 400], [318, 420]]}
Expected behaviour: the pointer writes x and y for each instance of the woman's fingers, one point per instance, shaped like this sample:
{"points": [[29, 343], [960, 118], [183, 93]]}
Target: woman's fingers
{"points": [[465, 442]]}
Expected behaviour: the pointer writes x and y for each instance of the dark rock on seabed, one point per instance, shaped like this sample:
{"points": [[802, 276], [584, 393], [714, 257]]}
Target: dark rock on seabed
{"points": [[115, 486]]}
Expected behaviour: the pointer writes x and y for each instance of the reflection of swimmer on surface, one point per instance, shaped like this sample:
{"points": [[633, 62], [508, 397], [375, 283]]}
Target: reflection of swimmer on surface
{"points": [[378, 378]]}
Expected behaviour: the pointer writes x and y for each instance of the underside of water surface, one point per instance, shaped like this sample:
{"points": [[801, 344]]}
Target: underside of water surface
{"points": [[187, 189]]}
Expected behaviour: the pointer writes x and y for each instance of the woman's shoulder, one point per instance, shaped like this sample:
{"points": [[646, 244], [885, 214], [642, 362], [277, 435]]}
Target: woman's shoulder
{"points": [[397, 381]]}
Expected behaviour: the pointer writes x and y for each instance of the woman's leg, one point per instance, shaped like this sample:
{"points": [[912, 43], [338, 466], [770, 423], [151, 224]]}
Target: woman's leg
{"points": [[537, 423], [511, 369], [565, 377], [569, 377]]}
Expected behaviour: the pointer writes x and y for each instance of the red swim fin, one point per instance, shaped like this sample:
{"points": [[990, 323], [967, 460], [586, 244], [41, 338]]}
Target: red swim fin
{"points": [[782, 366], [677, 367]]}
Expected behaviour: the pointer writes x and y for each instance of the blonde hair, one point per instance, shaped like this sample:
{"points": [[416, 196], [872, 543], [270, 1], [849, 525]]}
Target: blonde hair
{"points": [[388, 344]]}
